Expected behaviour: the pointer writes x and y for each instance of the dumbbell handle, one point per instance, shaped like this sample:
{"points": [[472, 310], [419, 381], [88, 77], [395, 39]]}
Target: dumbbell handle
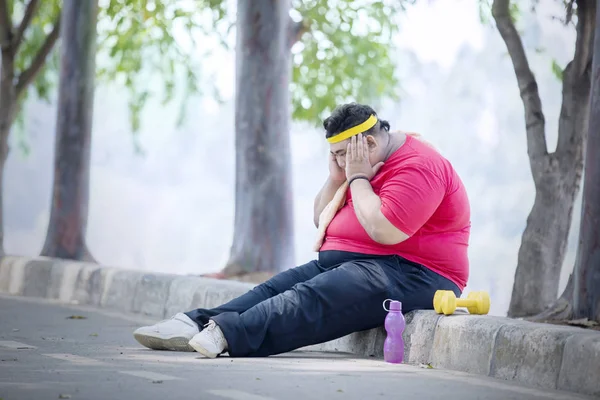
{"points": [[465, 302]]}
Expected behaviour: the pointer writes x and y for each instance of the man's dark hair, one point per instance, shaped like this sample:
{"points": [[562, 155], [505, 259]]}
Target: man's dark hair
{"points": [[348, 115]]}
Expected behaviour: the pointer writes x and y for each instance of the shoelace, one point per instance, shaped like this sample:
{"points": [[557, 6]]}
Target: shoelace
{"points": [[210, 325]]}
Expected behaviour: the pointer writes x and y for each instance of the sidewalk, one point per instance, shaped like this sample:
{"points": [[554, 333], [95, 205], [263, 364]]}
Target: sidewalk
{"points": [[539, 355]]}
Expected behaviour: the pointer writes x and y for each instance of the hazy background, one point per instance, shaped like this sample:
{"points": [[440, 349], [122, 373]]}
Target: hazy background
{"points": [[171, 209]]}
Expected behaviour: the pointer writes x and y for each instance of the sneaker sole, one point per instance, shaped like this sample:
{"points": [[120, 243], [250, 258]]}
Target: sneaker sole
{"points": [[202, 350], [177, 343]]}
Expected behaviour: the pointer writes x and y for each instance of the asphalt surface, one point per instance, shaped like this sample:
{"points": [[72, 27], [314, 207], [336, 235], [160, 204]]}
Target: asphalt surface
{"points": [[46, 355]]}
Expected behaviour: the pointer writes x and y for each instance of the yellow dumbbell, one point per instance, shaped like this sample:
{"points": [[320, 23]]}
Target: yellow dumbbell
{"points": [[445, 302]]}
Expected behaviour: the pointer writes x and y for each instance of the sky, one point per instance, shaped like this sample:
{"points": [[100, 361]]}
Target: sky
{"points": [[457, 19], [171, 209]]}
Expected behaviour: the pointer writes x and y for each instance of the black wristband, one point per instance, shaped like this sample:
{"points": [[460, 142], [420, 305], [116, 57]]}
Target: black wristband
{"points": [[357, 177]]}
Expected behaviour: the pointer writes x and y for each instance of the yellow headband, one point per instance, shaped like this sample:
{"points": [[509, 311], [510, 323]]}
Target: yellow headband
{"points": [[355, 130]]}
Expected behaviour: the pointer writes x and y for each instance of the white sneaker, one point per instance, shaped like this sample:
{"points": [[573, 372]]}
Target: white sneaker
{"points": [[171, 334], [210, 342]]}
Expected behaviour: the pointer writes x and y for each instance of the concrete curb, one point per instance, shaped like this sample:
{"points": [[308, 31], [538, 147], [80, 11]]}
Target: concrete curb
{"points": [[540, 355]]}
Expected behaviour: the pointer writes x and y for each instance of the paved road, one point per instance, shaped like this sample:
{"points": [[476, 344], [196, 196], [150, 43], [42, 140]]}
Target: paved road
{"points": [[46, 355]]}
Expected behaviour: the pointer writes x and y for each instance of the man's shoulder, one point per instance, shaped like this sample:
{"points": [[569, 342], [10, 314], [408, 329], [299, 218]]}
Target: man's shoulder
{"points": [[421, 158], [424, 158]]}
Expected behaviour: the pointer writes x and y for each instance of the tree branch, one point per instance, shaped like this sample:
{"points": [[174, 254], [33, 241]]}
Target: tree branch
{"points": [[573, 120], [295, 31], [5, 26], [29, 12], [27, 76], [534, 116]]}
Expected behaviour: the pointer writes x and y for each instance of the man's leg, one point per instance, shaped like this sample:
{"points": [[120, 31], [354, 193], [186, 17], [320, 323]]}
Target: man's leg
{"points": [[278, 284], [338, 302], [175, 333], [333, 304]]}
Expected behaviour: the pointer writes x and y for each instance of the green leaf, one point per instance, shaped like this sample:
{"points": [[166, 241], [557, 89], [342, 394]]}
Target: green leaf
{"points": [[557, 70], [485, 11], [346, 56], [514, 11], [47, 13], [138, 38]]}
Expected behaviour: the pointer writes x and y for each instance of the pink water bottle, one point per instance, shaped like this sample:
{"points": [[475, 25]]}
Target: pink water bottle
{"points": [[393, 347]]}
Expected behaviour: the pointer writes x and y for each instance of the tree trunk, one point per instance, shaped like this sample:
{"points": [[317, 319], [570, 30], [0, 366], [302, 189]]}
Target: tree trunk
{"points": [[561, 309], [69, 210], [7, 115], [557, 176], [586, 277], [263, 228], [543, 244]]}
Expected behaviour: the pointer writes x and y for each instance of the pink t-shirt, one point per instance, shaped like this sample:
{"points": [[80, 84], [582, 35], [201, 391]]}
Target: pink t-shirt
{"points": [[423, 196]]}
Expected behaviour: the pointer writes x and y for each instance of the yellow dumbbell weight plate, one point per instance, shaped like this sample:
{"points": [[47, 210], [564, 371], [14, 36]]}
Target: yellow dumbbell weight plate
{"points": [[438, 298], [448, 303], [437, 301], [482, 303]]}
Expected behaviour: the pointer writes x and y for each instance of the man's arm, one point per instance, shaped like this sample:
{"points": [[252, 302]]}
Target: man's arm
{"points": [[405, 203], [367, 206], [323, 198]]}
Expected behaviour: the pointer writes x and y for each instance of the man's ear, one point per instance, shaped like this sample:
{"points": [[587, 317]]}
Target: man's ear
{"points": [[371, 142]]}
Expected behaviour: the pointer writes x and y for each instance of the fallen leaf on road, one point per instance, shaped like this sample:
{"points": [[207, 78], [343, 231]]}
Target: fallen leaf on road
{"points": [[93, 334], [76, 317], [340, 391], [64, 396], [583, 322], [157, 381]]}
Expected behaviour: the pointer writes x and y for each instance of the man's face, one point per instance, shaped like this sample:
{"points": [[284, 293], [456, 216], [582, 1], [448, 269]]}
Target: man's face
{"points": [[338, 150]]}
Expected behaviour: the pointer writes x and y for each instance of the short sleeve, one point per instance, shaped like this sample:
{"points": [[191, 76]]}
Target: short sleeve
{"points": [[410, 197]]}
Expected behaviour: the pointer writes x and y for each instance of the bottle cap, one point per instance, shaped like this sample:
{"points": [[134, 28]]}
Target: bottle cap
{"points": [[394, 305]]}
